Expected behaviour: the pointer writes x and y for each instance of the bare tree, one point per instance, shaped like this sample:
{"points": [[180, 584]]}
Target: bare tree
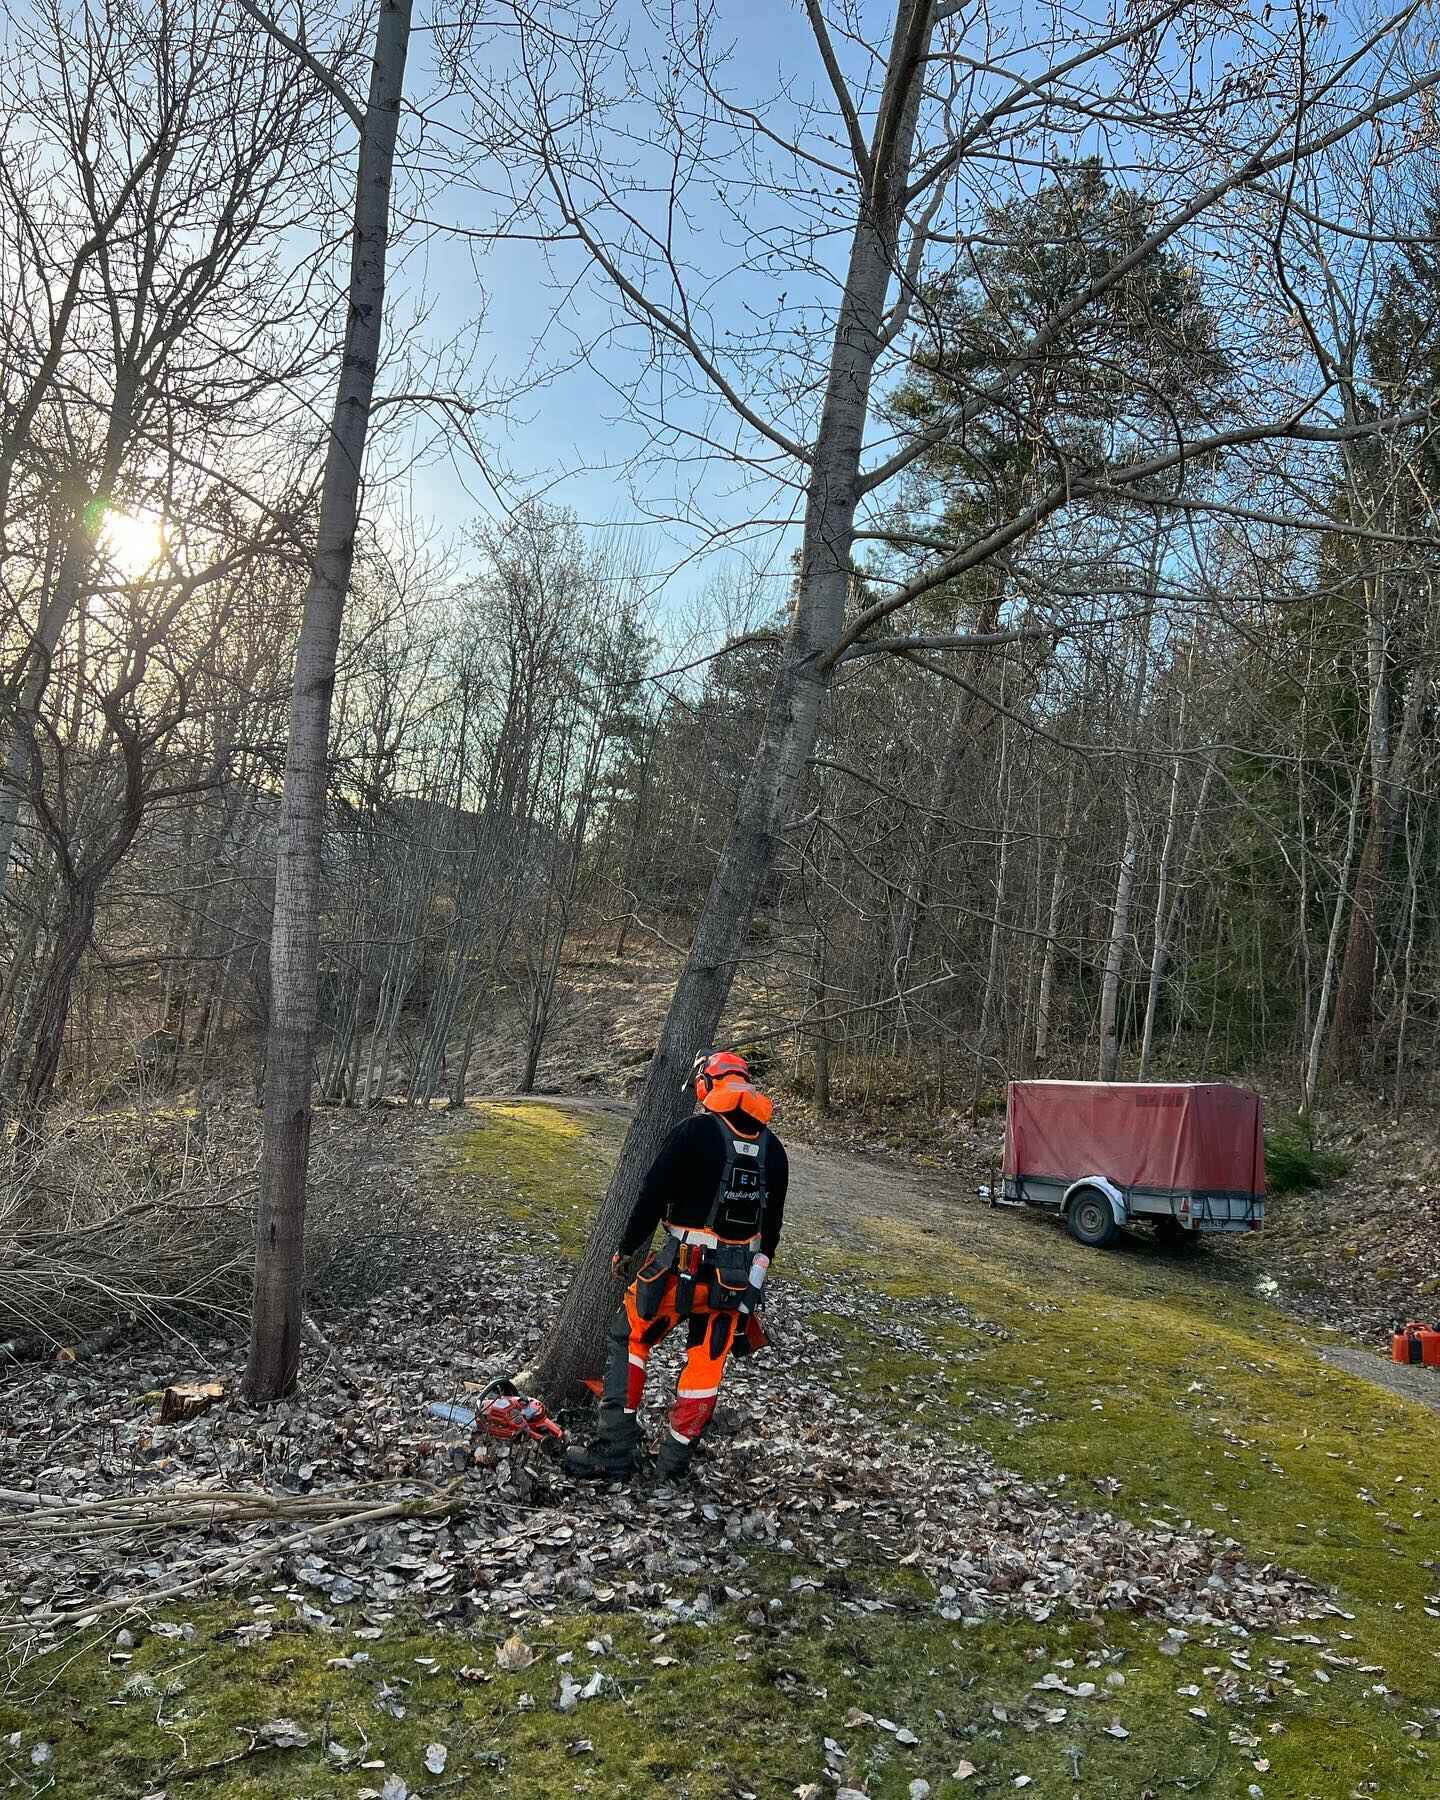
{"points": [[294, 953], [151, 159]]}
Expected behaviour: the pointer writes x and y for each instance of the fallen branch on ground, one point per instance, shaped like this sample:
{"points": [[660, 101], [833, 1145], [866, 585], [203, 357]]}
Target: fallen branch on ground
{"points": [[329, 1513]]}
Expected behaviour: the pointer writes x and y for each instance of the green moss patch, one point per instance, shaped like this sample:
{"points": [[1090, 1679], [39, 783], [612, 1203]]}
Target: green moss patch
{"points": [[1151, 1389], [541, 1167], [758, 1700]]}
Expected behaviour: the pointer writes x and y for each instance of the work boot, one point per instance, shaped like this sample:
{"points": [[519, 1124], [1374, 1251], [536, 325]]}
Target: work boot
{"points": [[612, 1455], [673, 1462]]}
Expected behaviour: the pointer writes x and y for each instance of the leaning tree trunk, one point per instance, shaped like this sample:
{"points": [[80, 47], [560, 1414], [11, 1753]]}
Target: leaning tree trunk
{"points": [[295, 937], [574, 1344]]}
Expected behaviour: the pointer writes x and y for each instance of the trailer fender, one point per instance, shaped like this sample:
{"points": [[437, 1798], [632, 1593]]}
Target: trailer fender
{"points": [[1106, 1187]]}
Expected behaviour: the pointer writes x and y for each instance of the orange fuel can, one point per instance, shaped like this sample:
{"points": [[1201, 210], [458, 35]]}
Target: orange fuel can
{"points": [[1416, 1343]]}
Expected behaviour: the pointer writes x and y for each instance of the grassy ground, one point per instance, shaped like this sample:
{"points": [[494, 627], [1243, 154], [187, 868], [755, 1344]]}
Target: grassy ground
{"points": [[1144, 1385]]}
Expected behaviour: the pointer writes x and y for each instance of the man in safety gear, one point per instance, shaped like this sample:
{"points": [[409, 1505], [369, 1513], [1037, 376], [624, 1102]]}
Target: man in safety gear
{"points": [[718, 1187]]}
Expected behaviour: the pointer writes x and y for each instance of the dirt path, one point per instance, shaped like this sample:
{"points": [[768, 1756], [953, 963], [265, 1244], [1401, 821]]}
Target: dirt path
{"points": [[1422, 1385], [834, 1197], [840, 1201]]}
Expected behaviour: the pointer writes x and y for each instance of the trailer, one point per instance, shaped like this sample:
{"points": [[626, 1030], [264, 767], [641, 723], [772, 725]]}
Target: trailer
{"points": [[1187, 1157]]}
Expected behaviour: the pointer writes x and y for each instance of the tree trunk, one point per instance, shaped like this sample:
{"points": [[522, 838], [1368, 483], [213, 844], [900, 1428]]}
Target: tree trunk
{"points": [[1159, 949], [1389, 773], [937, 818], [1044, 1005], [1168, 921], [1355, 987], [992, 968], [1119, 934], [1412, 909], [574, 1345], [461, 1076], [1310, 1079], [821, 1038], [295, 939], [75, 563], [52, 1011], [1130, 853]]}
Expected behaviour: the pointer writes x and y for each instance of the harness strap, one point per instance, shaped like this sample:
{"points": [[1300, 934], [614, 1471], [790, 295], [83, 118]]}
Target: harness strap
{"points": [[707, 1240], [732, 1160]]}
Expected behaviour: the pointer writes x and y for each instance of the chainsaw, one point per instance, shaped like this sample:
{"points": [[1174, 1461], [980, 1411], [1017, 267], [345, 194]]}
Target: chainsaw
{"points": [[502, 1412]]}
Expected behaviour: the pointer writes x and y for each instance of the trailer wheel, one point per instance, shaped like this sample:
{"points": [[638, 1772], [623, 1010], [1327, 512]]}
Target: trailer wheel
{"points": [[1091, 1219]]}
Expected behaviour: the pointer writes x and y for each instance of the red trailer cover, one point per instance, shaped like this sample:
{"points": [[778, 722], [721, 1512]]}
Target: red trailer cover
{"points": [[1204, 1137]]}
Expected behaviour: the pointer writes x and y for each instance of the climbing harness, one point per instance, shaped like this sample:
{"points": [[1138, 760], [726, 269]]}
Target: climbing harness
{"points": [[694, 1254]]}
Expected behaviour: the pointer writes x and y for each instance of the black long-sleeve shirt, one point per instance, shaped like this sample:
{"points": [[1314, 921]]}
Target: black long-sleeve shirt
{"points": [[681, 1182]]}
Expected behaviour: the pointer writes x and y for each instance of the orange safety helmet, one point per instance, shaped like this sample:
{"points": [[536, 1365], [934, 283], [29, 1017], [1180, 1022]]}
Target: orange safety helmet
{"points": [[722, 1085], [707, 1070]]}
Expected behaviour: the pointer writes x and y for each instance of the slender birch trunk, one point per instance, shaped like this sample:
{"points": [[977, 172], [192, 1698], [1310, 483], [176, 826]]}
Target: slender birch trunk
{"points": [[1310, 1084], [295, 940]]}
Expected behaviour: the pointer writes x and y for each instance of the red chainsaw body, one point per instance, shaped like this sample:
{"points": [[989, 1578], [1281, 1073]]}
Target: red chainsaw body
{"points": [[510, 1416]]}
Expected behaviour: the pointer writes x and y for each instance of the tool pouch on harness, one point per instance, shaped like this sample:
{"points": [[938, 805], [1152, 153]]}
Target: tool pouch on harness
{"points": [[654, 1277], [728, 1268]]}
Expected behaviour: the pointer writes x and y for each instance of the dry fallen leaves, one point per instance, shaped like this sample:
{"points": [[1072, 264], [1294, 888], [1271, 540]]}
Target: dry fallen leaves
{"points": [[514, 1653]]}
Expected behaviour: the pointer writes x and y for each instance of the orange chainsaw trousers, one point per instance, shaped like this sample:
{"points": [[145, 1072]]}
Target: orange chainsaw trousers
{"points": [[710, 1337]]}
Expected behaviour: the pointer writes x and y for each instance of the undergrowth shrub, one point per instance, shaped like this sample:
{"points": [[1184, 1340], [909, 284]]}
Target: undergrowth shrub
{"points": [[147, 1214], [1296, 1164]]}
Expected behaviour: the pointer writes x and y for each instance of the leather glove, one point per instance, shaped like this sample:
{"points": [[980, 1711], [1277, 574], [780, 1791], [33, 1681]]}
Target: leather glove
{"points": [[622, 1265], [755, 1296]]}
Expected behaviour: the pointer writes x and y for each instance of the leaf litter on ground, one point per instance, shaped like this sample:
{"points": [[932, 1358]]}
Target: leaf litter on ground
{"points": [[800, 1466]]}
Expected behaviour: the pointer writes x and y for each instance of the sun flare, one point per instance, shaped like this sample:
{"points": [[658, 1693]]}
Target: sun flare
{"points": [[133, 541]]}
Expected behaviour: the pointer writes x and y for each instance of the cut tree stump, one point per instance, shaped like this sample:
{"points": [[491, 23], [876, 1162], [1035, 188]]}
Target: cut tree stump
{"points": [[188, 1399]]}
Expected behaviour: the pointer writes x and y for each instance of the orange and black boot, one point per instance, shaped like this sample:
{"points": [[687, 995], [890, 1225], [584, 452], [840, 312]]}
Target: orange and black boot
{"points": [[612, 1455]]}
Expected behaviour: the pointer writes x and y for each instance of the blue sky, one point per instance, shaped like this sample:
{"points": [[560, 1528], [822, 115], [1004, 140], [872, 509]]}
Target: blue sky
{"points": [[572, 438]]}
